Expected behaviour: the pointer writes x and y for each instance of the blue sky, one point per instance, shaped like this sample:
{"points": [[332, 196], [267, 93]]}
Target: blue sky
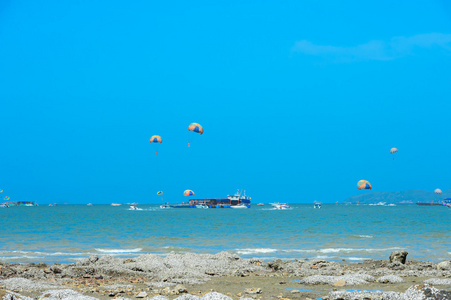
{"points": [[299, 99]]}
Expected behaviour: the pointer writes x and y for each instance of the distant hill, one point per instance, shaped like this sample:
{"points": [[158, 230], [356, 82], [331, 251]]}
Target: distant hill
{"points": [[400, 197]]}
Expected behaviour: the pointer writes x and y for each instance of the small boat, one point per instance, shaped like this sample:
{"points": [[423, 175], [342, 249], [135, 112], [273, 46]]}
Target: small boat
{"points": [[239, 206], [116, 204], [89, 204], [132, 207], [278, 205], [202, 206], [260, 204], [166, 205], [316, 204]]}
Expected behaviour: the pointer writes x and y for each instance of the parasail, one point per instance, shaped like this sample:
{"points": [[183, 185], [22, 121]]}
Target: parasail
{"points": [[438, 191], [6, 198], [188, 193], [1, 191], [364, 185], [393, 151], [156, 139], [160, 193], [196, 128]]}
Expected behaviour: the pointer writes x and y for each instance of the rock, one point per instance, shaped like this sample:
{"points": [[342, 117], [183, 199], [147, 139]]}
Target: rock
{"points": [[253, 291], [398, 256], [215, 296], [426, 291], [295, 291], [438, 281], [340, 282], [276, 265], [41, 265], [390, 279], [141, 295], [56, 269], [444, 265], [179, 289]]}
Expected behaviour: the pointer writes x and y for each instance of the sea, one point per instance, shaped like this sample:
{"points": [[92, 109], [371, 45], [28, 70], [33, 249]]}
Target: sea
{"points": [[336, 232]]}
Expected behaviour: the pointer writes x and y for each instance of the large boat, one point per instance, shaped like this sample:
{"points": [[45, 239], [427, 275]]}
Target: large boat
{"points": [[19, 203], [428, 203], [316, 204], [237, 200]]}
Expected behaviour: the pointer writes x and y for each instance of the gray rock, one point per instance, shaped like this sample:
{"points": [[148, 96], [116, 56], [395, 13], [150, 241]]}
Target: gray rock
{"points": [[438, 281], [398, 256], [23, 284], [64, 294], [179, 289], [350, 279], [141, 295], [390, 279], [187, 297], [444, 265], [159, 298], [215, 296]]}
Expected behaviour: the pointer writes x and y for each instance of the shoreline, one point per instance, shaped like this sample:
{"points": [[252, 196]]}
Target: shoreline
{"points": [[193, 275]]}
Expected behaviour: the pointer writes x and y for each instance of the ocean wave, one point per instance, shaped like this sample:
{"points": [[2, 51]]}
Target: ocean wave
{"points": [[357, 258], [301, 250], [39, 253], [118, 250], [337, 250], [18, 257], [365, 236], [255, 250]]}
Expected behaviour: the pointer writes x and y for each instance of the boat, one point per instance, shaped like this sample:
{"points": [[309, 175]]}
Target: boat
{"points": [[19, 203], [115, 204], [432, 203], [316, 204], [89, 204], [166, 205], [132, 207], [278, 205], [239, 206], [239, 198], [260, 204], [204, 206]]}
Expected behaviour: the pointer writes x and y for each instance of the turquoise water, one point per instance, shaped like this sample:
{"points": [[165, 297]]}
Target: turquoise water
{"points": [[67, 233]]}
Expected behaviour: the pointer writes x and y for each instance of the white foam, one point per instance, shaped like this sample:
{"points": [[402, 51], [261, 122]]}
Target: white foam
{"points": [[365, 236], [301, 250], [118, 250], [255, 250], [356, 258], [335, 250]]}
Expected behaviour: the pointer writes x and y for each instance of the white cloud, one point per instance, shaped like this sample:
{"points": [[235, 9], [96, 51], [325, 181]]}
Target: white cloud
{"points": [[377, 50]]}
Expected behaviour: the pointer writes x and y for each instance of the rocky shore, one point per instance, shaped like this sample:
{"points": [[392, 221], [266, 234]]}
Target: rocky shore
{"points": [[226, 276]]}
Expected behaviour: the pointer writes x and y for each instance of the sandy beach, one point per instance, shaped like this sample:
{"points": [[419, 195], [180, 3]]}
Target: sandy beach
{"points": [[225, 276]]}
